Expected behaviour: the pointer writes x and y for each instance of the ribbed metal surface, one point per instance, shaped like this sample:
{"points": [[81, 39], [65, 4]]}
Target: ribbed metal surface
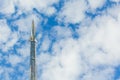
{"points": [[33, 61], [33, 54]]}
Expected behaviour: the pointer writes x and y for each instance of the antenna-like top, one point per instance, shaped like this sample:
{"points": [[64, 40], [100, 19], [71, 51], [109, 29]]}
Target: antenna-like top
{"points": [[33, 31]]}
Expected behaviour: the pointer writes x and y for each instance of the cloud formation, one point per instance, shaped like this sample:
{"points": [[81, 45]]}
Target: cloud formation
{"points": [[92, 55]]}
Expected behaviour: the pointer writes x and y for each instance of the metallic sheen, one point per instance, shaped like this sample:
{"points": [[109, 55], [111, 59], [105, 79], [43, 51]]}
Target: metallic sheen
{"points": [[33, 53]]}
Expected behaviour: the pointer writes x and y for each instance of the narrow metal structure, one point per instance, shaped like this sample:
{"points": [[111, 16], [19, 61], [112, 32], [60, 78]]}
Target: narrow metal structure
{"points": [[32, 53]]}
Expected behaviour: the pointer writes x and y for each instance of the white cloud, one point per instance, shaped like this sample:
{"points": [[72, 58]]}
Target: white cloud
{"points": [[98, 74], [5, 74], [14, 59], [27, 6], [41, 5], [49, 11], [115, 0], [24, 24], [7, 37], [96, 3], [97, 47], [73, 11], [3, 30], [60, 32], [114, 12], [64, 65], [43, 58], [100, 41], [11, 41], [46, 6], [24, 49], [5, 9], [45, 44]]}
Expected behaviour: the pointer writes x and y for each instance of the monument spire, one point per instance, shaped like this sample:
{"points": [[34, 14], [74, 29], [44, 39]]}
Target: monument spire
{"points": [[32, 53]]}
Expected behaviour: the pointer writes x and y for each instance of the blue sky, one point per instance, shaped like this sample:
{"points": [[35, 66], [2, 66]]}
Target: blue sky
{"points": [[76, 39]]}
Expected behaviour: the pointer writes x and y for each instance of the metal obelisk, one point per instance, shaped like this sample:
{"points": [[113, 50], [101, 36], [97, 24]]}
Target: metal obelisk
{"points": [[33, 54]]}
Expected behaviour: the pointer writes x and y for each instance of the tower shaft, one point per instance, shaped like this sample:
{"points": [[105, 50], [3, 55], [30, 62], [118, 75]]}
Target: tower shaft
{"points": [[33, 54]]}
